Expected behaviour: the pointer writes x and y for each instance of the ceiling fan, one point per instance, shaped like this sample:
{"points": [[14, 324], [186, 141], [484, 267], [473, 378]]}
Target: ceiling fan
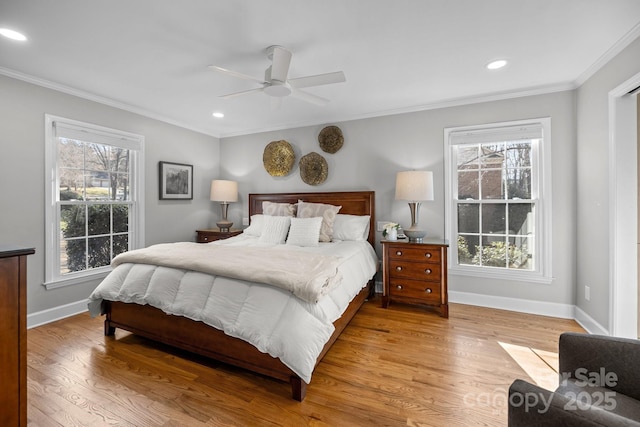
{"points": [[276, 82]]}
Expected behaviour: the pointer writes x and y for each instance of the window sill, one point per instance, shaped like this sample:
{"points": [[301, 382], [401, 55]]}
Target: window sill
{"points": [[512, 275], [78, 279]]}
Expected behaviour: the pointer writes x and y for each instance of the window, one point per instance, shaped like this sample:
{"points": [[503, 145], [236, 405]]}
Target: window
{"points": [[499, 200], [94, 208]]}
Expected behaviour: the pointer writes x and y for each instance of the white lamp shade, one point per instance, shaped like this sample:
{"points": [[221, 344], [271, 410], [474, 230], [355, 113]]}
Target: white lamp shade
{"points": [[224, 191], [414, 186]]}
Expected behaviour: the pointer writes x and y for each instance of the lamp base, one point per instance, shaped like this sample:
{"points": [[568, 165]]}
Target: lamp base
{"points": [[415, 236], [224, 225]]}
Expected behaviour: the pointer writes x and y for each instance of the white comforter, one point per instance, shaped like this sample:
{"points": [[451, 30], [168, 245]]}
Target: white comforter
{"points": [[270, 318]]}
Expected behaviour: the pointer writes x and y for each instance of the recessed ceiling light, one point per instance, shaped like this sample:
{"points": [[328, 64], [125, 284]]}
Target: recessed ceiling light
{"points": [[218, 115], [13, 35], [496, 64]]}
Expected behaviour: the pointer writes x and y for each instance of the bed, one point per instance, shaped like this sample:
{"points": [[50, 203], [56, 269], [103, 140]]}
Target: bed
{"points": [[200, 338]]}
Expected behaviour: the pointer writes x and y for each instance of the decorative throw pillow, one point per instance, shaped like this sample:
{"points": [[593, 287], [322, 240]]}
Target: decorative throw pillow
{"points": [[278, 209], [275, 229], [304, 231], [351, 227], [327, 212], [255, 226]]}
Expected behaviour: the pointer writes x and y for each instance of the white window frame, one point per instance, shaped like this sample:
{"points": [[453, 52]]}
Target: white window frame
{"points": [[541, 162], [103, 135]]}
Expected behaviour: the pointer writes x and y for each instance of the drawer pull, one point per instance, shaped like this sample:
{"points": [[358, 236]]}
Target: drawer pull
{"points": [[427, 270], [398, 286], [428, 290], [428, 255], [399, 268], [206, 238], [399, 253]]}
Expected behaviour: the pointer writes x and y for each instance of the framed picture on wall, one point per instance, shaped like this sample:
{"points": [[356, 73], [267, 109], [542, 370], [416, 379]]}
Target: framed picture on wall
{"points": [[176, 181]]}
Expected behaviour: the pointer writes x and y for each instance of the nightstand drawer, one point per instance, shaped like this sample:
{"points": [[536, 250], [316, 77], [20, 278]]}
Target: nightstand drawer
{"points": [[415, 290], [211, 235], [427, 254], [415, 270]]}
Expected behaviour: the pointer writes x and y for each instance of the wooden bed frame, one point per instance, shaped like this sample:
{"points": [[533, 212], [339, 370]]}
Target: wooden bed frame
{"points": [[201, 339]]}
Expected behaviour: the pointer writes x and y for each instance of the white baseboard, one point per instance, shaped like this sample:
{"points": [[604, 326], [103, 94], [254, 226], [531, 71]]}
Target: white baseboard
{"points": [[589, 324], [565, 311], [51, 315]]}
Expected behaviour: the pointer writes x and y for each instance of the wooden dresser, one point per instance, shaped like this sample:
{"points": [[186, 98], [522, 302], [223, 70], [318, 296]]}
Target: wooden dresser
{"points": [[210, 235], [13, 335], [416, 273]]}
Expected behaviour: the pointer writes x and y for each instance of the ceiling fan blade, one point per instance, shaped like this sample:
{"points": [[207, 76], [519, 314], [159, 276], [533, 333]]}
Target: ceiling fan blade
{"points": [[280, 63], [235, 74], [244, 92], [306, 96], [318, 80]]}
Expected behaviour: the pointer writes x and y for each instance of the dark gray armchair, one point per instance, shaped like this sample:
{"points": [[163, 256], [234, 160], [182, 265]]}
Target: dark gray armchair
{"points": [[599, 386]]}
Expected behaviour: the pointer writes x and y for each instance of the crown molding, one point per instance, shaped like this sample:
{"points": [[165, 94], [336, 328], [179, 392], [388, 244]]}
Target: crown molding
{"points": [[614, 50], [99, 99]]}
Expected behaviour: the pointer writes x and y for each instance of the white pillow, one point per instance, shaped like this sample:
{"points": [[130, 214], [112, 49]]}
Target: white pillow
{"points": [[275, 229], [351, 227], [278, 209], [304, 231], [255, 226], [327, 212]]}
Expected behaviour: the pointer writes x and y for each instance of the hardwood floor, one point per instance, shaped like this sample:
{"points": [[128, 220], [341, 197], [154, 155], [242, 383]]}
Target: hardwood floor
{"points": [[396, 366]]}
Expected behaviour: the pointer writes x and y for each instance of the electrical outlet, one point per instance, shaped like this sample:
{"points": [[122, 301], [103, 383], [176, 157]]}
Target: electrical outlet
{"points": [[380, 225], [587, 293], [245, 221]]}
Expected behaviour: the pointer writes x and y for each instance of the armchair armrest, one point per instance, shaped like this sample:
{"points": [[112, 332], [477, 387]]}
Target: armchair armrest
{"points": [[602, 358], [530, 405]]}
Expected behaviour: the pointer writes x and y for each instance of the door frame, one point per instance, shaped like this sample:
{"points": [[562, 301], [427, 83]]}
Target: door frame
{"points": [[623, 210]]}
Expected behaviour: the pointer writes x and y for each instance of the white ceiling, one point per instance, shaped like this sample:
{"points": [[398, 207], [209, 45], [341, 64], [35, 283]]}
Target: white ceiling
{"points": [[151, 56]]}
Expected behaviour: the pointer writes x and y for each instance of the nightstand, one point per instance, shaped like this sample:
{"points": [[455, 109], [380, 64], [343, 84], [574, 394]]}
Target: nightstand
{"points": [[209, 235], [415, 273]]}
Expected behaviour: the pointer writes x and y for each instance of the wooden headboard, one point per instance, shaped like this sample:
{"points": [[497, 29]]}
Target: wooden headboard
{"points": [[352, 202]]}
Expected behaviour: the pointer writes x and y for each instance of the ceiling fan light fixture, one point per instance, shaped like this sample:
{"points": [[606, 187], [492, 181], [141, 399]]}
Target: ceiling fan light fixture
{"points": [[278, 89], [495, 65], [13, 35]]}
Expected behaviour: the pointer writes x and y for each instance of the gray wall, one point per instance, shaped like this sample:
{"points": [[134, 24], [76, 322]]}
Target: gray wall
{"points": [[592, 249], [375, 149], [22, 109]]}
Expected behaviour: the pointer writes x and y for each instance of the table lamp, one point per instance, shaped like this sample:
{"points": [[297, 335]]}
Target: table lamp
{"points": [[415, 187], [224, 191]]}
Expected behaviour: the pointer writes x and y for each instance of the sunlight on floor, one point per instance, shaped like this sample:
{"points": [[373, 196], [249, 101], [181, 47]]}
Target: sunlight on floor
{"points": [[540, 365]]}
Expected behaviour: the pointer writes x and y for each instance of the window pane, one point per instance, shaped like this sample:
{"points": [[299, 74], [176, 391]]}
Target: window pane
{"points": [[519, 255], [122, 187], [97, 157], [120, 244], [467, 248], [492, 185], [72, 221], [99, 219], [468, 157], [492, 156], [494, 251], [99, 251], [519, 183], [119, 160], [468, 218], [120, 218], [75, 255], [494, 218], [70, 153], [468, 185], [521, 218], [518, 154]]}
